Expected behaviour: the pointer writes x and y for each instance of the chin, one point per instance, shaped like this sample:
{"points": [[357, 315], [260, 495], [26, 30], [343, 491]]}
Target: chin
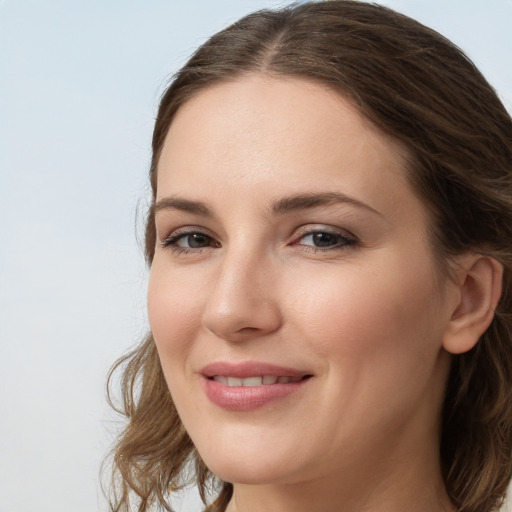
{"points": [[236, 467], [251, 474]]}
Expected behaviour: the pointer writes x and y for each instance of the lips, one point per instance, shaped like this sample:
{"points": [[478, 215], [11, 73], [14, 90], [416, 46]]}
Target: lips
{"points": [[250, 385], [249, 369], [266, 380]]}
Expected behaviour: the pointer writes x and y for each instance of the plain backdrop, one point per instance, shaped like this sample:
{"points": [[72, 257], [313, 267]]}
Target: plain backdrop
{"points": [[79, 87]]}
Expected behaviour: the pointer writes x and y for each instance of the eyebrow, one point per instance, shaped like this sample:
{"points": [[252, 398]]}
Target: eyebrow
{"points": [[298, 202], [183, 205], [313, 200]]}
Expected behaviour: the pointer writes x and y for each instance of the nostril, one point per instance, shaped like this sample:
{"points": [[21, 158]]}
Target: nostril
{"points": [[248, 329]]}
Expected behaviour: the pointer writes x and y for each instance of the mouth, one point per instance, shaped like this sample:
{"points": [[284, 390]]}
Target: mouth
{"points": [[251, 385], [252, 373], [266, 380]]}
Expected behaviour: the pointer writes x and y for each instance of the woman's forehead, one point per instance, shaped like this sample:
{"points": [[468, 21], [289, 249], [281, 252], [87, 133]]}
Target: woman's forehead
{"points": [[290, 135]]}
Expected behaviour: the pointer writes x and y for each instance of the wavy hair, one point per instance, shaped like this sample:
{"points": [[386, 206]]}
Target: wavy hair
{"points": [[421, 89]]}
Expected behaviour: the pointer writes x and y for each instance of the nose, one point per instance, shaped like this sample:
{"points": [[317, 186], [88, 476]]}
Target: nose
{"points": [[243, 303]]}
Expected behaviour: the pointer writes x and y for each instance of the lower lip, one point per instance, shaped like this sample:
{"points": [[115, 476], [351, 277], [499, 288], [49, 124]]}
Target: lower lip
{"points": [[248, 398]]}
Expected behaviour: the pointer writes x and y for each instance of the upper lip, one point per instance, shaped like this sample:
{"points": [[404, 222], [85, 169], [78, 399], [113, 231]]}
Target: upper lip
{"points": [[250, 369]]}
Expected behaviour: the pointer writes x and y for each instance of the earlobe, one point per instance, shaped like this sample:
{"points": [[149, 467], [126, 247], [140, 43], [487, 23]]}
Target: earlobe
{"points": [[480, 281]]}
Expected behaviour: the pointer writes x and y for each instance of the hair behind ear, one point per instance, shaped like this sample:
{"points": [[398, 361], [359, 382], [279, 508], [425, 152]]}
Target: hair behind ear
{"points": [[477, 414]]}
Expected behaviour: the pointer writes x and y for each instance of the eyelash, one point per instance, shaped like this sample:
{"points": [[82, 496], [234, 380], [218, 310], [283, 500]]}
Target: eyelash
{"points": [[172, 240], [343, 241]]}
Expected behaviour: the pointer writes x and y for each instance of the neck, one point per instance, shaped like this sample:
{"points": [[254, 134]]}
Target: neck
{"points": [[415, 484], [310, 497]]}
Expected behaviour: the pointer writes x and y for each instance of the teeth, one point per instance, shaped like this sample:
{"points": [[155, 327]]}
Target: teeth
{"points": [[286, 380], [254, 381], [234, 381]]}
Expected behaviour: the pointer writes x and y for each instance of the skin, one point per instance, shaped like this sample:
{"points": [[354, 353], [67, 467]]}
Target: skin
{"points": [[367, 317]]}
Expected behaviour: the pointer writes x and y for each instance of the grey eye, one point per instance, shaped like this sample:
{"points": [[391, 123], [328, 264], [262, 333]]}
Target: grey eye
{"points": [[194, 241], [322, 239]]}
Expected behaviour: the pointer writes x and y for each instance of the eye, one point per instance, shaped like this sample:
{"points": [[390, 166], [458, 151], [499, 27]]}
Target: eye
{"points": [[193, 241], [319, 240], [189, 241]]}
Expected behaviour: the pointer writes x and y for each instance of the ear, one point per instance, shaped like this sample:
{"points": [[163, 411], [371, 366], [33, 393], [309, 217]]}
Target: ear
{"points": [[479, 281]]}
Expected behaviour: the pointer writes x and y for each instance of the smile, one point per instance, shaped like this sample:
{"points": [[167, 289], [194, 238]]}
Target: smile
{"points": [[250, 385], [254, 381]]}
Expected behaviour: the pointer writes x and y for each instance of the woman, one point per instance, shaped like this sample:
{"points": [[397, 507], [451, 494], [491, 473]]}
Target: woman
{"points": [[330, 255]]}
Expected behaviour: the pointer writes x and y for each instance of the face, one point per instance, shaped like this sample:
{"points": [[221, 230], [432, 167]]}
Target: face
{"points": [[293, 295]]}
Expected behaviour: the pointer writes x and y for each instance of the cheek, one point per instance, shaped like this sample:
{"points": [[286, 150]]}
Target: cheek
{"points": [[174, 311], [357, 312], [174, 317], [379, 336]]}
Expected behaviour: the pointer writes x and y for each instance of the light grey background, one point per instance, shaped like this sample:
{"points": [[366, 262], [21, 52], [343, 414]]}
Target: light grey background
{"points": [[79, 86]]}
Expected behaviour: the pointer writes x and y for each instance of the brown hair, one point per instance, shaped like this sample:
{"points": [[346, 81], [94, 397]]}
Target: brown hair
{"points": [[420, 88]]}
